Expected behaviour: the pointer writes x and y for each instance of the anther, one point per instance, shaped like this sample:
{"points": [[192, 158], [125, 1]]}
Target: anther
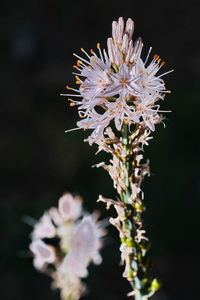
{"points": [[79, 62]]}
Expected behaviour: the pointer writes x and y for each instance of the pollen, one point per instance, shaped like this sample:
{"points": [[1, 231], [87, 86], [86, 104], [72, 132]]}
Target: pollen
{"points": [[98, 45], [156, 57], [79, 62], [78, 80]]}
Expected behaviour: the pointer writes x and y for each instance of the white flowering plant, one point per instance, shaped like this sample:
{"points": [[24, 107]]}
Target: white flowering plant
{"points": [[118, 101], [64, 242]]}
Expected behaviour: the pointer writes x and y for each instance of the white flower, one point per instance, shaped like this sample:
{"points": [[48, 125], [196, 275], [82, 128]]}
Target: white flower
{"points": [[84, 247], [44, 228], [94, 121], [97, 77], [43, 254], [55, 216], [120, 111], [77, 244], [69, 207], [119, 86], [124, 83], [147, 80]]}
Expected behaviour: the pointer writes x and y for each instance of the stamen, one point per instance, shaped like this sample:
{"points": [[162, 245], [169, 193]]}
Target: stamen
{"points": [[100, 53], [74, 73], [69, 88], [76, 102], [73, 129], [75, 67], [165, 73], [82, 59], [156, 57], [147, 57], [80, 63], [85, 53], [78, 80], [164, 111], [70, 95]]}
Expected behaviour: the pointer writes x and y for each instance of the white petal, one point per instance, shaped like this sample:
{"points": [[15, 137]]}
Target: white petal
{"points": [[44, 228], [69, 207], [43, 253]]}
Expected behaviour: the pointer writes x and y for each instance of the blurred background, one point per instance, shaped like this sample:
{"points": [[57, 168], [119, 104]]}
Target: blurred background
{"points": [[39, 161]]}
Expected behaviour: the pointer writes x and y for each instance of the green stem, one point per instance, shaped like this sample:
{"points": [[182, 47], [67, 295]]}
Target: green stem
{"points": [[139, 265]]}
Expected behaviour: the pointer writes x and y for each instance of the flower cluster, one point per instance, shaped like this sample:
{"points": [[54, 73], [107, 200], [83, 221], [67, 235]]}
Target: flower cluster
{"points": [[118, 85], [127, 181], [64, 241]]}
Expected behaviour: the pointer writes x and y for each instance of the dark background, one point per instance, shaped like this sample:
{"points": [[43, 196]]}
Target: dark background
{"points": [[39, 162]]}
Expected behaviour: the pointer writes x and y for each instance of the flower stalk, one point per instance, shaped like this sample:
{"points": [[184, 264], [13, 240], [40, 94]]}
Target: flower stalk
{"points": [[129, 207], [133, 223], [118, 101]]}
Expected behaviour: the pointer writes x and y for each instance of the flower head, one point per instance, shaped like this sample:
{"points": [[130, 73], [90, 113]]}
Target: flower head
{"points": [[117, 85]]}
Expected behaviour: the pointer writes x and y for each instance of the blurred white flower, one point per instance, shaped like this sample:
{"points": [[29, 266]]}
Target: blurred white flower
{"points": [[44, 228], [43, 254], [70, 207], [55, 216], [85, 245], [77, 244]]}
